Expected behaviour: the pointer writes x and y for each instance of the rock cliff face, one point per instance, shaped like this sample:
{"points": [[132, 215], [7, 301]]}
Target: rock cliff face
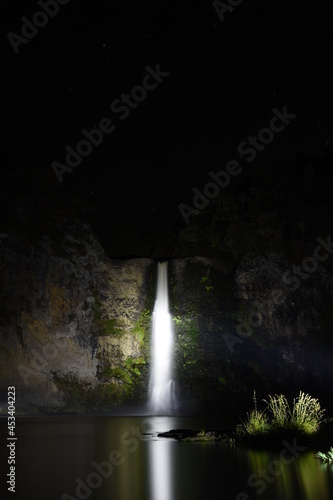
{"points": [[75, 326]]}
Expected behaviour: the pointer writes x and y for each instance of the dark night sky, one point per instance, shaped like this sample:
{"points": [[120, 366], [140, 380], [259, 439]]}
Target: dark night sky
{"points": [[225, 78]]}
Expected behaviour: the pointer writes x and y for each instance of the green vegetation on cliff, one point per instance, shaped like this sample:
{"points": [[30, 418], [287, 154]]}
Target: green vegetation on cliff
{"points": [[81, 397], [141, 328], [105, 326]]}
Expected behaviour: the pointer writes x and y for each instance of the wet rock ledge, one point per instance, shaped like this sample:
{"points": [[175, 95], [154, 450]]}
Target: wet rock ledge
{"points": [[191, 435]]}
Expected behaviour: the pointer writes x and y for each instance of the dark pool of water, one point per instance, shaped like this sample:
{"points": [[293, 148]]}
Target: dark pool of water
{"points": [[108, 458]]}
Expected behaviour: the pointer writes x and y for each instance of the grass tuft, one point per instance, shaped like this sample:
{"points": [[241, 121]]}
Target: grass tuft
{"points": [[278, 407], [326, 457], [307, 414], [257, 423], [305, 417]]}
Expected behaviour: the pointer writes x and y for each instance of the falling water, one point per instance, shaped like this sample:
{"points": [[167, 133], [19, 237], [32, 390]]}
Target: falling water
{"points": [[161, 398]]}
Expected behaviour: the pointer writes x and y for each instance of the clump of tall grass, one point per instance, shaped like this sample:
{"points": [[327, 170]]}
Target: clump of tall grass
{"points": [[307, 414], [256, 423], [305, 417], [326, 457], [279, 409]]}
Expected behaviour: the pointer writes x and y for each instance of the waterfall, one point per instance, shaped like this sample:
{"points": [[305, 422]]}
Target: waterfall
{"points": [[161, 398]]}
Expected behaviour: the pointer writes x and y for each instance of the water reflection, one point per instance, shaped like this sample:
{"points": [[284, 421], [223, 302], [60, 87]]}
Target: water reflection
{"points": [[314, 478], [272, 477], [54, 452], [160, 470]]}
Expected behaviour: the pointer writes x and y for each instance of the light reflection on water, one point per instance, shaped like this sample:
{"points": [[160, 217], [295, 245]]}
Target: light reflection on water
{"points": [[160, 470], [53, 452], [304, 478]]}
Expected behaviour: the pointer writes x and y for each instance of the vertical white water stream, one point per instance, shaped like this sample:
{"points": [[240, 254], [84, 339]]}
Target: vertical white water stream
{"points": [[161, 399]]}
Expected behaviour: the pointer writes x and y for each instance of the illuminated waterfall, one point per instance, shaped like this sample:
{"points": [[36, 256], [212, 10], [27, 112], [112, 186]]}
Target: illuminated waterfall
{"points": [[161, 398]]}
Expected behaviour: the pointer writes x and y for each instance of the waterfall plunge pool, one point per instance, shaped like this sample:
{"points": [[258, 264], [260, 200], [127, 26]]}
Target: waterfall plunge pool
{"points": [[103, 457]]}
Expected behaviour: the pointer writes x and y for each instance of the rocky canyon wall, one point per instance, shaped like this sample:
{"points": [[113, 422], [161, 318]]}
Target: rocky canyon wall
{"points": [[75, 327]]}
